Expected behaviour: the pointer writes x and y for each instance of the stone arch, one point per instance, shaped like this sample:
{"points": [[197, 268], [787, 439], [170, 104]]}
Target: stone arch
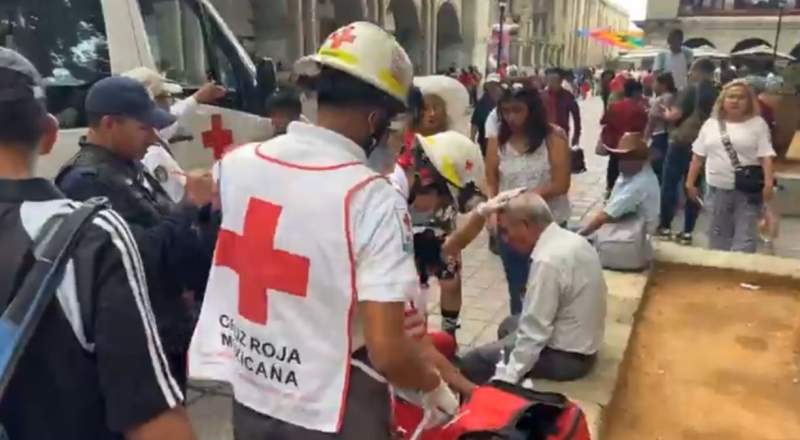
{"points": [[748, 43], [404, 18], [694, 43], [448, 37]]}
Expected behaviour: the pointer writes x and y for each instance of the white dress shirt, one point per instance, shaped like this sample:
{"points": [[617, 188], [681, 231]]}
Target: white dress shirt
{"points": [[565, 303]]}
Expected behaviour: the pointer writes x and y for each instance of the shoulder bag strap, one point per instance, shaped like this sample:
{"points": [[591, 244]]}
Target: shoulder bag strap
{"points": [[52, 250], [726, 142]]}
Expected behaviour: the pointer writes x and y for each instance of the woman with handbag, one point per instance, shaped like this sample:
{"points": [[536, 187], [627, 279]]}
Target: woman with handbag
{"points": [[736, 148]]}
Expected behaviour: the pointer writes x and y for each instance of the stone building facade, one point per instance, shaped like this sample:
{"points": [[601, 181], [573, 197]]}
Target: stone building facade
{"points": [[436, 33], [728, 25]]}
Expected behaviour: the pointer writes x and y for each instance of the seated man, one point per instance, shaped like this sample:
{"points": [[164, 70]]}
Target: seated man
{"points": [[636, 192], [562, 322]]}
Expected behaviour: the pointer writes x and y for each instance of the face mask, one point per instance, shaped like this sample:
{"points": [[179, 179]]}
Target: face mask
{"points": [[382, 159]]}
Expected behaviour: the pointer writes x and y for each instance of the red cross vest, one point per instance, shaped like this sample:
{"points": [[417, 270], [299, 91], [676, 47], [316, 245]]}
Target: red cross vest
{"points": [[281, 295]]}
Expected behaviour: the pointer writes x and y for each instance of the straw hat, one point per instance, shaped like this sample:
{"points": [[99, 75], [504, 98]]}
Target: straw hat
{"points": [[631, 146]]}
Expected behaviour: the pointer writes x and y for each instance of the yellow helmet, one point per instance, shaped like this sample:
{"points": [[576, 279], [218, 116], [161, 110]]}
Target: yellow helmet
{"points": [[367, 52], [456, 158]]}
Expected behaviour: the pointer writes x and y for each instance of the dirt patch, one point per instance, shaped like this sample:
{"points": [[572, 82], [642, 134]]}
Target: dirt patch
{"points": [[710, 360]]}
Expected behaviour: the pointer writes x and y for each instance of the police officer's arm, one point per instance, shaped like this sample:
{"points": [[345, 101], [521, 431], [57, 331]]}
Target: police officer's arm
{"points": [[173, 247], [385, 277], [142, 399]]}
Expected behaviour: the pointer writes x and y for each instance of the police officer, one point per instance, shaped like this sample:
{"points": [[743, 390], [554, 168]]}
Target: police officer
{"points": [[94, 368], [176, 240], [304, 309], [159, 160]]}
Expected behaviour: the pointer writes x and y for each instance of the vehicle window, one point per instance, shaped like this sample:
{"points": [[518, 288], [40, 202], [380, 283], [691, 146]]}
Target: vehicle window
{"points": [[175, 33], [66, 41]]}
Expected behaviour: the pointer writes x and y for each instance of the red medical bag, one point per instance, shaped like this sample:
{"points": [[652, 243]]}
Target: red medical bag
{"points": [[501, 411]]}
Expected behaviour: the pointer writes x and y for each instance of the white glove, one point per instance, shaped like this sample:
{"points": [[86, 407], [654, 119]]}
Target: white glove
{"points": [[439, 406], [498, 202]]}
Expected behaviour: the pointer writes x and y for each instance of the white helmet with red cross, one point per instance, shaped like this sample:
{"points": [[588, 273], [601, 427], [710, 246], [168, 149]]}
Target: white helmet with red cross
{"points": [[456, 158], [367, 52]]}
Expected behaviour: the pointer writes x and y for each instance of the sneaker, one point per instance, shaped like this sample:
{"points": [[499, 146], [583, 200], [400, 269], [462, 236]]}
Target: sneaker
{"points": [[684, 238], [663, 234]]}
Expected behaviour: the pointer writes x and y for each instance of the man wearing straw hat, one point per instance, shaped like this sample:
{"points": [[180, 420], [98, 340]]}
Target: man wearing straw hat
{"points": [[636, 190]]}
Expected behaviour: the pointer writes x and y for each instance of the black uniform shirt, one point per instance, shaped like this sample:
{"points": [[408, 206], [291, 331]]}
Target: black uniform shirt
{"points": [[94, 367], [176, 241]]}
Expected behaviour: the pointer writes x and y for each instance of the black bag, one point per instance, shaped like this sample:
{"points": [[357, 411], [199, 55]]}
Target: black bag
{"points": [[52, 250], [747, 179], [577, 160]]}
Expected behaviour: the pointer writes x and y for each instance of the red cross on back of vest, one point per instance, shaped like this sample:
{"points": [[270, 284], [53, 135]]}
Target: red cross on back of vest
{"points": [[260, 266]]}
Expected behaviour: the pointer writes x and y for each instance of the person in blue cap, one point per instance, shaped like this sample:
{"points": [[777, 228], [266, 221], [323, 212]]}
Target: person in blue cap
{"points": [[176, 239]]}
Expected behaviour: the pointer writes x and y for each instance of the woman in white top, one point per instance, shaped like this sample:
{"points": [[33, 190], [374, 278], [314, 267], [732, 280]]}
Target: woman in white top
{"points": [[529, 153], [734, 212]]}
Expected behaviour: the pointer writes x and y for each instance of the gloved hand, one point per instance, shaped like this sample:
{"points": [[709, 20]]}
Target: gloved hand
{"points": [[498, 202], [439, 406]]}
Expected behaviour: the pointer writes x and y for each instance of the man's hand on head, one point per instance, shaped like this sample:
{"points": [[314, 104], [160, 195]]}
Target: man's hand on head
{"points": [[209, 92], [497, 203]]}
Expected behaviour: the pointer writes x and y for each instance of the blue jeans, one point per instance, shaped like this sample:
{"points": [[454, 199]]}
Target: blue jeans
{"points": [[517, 267], [676, 166], [658, 152]]}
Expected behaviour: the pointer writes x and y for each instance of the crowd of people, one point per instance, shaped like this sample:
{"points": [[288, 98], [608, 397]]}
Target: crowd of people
{"points": [[297, 269]]}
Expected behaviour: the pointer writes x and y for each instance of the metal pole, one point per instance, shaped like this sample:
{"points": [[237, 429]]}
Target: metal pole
{"points": [[782, 6], [500, 35]]}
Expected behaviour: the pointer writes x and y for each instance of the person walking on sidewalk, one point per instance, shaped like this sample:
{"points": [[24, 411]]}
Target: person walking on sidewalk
{"points": [[625, 116], [532, 154], [692, 110], [657, 130], [736, 138]]}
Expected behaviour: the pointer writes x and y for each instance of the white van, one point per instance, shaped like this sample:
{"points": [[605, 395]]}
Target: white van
{"points": [[74, 43]]}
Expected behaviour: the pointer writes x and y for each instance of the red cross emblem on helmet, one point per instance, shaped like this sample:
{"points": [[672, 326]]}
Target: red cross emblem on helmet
{"points": [[343, 35]]}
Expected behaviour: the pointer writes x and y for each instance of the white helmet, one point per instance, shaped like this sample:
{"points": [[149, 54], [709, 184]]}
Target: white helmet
{"points": [[454, 95], [367, 52], [456, 158]]}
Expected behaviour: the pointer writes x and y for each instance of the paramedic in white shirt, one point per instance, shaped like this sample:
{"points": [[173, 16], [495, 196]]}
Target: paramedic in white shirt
{"points": [[158, 160], [560, 330], [676, 61], [341, 250]]}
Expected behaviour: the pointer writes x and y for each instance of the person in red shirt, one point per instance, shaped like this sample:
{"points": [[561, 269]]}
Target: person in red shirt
{"points": [[625, 116]]}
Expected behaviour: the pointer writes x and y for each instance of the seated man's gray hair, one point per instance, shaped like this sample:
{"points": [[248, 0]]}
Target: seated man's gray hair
{"points": [[530, 207]]}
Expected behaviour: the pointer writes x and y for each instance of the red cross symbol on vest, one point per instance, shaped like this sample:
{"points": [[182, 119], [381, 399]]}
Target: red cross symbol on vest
{"points": [[260, 266], [468, 166], [342, 36], [217, 138]]}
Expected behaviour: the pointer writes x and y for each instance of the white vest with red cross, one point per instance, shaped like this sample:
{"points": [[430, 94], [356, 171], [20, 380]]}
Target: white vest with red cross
{"points": [[276, 319]]}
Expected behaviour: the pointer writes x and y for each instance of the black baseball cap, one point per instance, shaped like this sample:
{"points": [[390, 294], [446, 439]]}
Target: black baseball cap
{"points": [[19, 79], [122, 96]]}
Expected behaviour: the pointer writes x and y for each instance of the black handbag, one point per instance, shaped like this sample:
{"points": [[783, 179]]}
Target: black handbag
{"points": [[747, 179]]}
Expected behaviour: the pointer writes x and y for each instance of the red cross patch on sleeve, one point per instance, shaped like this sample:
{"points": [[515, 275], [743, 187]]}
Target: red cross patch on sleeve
{"points": [[405, 228]]}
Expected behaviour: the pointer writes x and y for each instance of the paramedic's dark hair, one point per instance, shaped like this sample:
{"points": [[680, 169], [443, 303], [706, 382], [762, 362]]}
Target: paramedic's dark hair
{"points": [[22, 121], [339, 89], [667, 79], [287, 99]]}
